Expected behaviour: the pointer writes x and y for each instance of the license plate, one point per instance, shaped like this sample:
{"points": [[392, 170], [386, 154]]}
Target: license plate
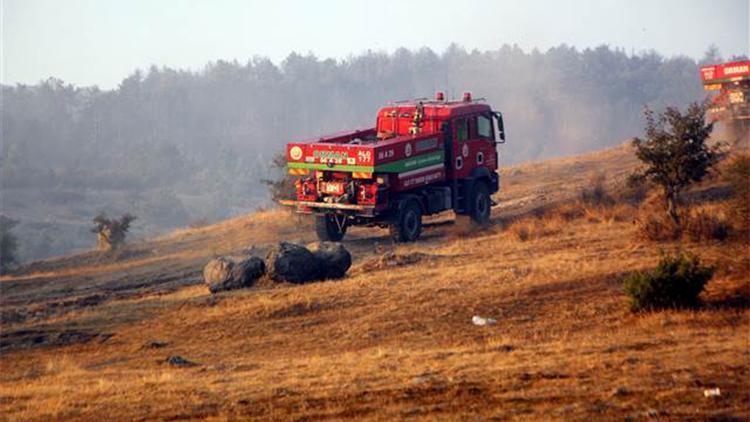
{"points": [[333, 188]]}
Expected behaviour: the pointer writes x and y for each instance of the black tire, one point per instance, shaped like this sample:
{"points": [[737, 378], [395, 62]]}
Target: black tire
{"points": [[480, 204], [327, 229], [407, 225]]}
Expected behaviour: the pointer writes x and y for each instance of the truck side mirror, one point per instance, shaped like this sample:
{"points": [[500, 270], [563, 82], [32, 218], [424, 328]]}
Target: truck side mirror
{"points": [[500, 127]]}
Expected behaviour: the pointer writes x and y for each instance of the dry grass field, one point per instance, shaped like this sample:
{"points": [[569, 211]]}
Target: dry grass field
{"points": [[88, 336]]}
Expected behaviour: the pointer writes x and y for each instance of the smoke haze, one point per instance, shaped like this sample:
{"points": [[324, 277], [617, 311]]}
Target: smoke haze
{"points": [[177, 147]]}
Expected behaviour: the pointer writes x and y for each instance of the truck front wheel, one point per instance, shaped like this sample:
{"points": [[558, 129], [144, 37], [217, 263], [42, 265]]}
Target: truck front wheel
{"points": [[330, 227], [407, 225], [480, 203]]}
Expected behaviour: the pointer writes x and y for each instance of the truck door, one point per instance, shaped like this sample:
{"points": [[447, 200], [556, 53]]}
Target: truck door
{"points": [[474, 144], [486, 148]]}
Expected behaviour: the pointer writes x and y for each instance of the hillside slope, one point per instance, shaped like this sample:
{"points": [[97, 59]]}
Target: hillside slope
{"points": [[88, 336]]}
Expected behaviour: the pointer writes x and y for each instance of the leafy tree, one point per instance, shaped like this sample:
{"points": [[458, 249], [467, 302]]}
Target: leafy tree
{"points": [[111, 232], [8, 244], [675, 152], [712, 55], [283, 187]]}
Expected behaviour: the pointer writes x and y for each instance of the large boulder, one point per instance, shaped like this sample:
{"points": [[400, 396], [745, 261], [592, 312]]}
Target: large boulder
{"points": [[223, 273], [335, 259], [293, 263]]}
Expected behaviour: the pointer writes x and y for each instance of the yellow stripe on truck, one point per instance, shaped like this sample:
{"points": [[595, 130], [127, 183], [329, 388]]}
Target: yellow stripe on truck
{"points": [[299, 172]]}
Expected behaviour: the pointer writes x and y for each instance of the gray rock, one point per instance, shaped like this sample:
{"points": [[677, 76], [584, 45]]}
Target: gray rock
{"points": [[179, 361], [619, 391], [334, 257], [155, 344], [293, 263], [223, 273]]}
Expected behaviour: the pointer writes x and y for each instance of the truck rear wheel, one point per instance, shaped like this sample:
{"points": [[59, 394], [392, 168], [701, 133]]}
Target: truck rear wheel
{"points": [[408, 222], [329, 229], [480, 203]]}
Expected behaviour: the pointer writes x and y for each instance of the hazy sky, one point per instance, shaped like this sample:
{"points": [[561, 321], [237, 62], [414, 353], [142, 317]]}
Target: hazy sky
{"points": [[99, 42]]}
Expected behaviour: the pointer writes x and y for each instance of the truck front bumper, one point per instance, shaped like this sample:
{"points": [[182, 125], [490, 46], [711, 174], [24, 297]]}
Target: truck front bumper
{"points": [[309, 207]]}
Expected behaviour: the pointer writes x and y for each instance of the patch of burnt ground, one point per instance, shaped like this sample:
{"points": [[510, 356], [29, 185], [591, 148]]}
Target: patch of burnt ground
{"points": [[27, 338], [19, 314], [392, 259]]}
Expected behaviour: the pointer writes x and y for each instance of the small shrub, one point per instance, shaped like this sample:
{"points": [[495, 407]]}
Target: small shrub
{"points": [[738, 176], [283, 186], [675, 283], [531, 228], [704, 225], [657, 227], [575, 210], [539, 212], [596, 193], [633, 193], [610, 213], [522, 231], [569, 211], [111, 232], [697, 225]]}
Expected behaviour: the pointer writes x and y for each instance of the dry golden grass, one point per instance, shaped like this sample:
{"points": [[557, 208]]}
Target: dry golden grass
{"points": [[396, 341]]}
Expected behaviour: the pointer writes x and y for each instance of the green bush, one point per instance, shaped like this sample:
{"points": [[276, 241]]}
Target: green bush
{"points": [[675, 283]]}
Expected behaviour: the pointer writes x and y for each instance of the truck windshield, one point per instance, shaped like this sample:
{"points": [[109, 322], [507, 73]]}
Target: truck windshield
{"points": [[484, 127]]}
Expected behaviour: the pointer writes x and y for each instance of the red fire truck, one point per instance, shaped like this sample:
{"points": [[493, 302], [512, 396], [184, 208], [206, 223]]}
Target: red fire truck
{"points": [[731, 106], [421, 158]]}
